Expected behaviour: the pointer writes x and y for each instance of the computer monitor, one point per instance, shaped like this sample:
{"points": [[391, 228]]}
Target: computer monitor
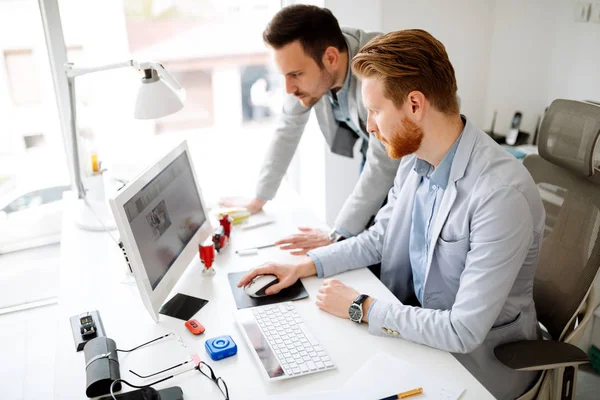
{"points": [[162, 218]]}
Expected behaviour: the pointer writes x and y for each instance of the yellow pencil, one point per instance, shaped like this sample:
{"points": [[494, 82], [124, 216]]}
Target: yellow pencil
{"points": [[404, 395]]}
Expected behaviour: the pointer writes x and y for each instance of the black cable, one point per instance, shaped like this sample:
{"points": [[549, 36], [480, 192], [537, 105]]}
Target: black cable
{"points": [[144, 344], [112, 385], [159, 372]]}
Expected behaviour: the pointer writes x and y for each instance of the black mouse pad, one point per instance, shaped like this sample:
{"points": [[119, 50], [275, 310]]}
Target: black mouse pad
{"points": [[242, 300]]}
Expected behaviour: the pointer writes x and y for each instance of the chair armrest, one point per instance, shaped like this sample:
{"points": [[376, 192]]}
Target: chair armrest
{"points": [[536, 355]]}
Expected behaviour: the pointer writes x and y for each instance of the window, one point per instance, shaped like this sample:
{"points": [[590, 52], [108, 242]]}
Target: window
{"points": [[23, 78], [33, 168], [213, 48]]}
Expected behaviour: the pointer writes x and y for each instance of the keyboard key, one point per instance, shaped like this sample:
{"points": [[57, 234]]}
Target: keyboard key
{"points": [[311, 339], [296, 370], [320, 365], [311, 365], [328, 364], [303, 368]]}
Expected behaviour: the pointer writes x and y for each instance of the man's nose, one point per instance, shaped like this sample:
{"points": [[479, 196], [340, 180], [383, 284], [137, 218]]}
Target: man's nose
{"points": [[289, 87], [371, 126]]}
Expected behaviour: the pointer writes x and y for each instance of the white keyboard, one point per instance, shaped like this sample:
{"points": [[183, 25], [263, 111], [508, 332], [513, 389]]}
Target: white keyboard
{"points": [[294, 347]]}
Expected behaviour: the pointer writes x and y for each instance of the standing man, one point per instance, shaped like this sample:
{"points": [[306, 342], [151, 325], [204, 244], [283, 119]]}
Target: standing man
{"points": [[460, 236], [314, 54]]}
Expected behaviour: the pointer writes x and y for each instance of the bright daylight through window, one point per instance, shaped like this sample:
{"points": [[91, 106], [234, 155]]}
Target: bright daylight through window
{"points": [[233, 95]]}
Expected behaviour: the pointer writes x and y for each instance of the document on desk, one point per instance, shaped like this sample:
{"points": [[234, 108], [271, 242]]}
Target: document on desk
{"points": [[384, 375]]}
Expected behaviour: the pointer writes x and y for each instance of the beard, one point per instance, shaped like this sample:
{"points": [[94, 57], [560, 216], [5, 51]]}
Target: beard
{"points": [[405, 139], [326, 81]]}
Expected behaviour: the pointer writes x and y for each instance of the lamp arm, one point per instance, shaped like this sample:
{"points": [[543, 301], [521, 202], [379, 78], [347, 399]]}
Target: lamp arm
{"points": [[73, 71], [162, 72]]}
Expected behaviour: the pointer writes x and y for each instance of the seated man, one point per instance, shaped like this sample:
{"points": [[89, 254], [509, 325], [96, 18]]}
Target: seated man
{"points": [[460, 235]]}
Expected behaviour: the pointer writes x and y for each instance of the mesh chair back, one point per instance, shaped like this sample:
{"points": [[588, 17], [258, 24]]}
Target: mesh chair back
{"points": [[570, 252]]}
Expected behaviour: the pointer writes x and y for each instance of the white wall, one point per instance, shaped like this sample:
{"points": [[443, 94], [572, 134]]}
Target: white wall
{"points": [[575, 62], [539, 53], [465, 29]]}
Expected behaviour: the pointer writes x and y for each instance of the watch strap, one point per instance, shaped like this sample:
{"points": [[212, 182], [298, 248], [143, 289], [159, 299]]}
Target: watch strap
{"points": [[335, 236], [360, 299]]}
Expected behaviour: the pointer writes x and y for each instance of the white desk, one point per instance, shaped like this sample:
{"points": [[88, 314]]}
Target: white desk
{"points": [[92, 270]]}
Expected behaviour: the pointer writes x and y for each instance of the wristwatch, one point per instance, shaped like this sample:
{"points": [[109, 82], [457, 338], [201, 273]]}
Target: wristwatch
{"points": [[335, 236], [355, 311]]}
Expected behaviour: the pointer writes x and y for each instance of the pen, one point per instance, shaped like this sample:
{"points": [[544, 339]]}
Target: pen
{"points": [[253, 250], [404, 395], [257, 225]]}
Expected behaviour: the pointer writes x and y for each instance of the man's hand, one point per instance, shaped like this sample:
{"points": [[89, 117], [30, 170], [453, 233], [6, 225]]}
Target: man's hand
{"points": [[336, 298], [253, 205], [287, 274], [303, 242]]}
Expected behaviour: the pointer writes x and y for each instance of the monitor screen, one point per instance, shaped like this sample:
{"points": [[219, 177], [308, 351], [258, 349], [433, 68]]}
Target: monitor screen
{"points": [[164, 216]]}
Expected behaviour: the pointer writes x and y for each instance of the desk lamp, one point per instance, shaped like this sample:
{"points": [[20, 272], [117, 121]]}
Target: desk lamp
{"points": [[159, 95]]}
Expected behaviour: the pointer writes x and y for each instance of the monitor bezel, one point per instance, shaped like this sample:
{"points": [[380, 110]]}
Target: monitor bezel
{"points": [[154, 298]]}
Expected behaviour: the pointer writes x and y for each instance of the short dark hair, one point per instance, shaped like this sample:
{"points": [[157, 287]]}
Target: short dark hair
{"points": [[314, 27]]}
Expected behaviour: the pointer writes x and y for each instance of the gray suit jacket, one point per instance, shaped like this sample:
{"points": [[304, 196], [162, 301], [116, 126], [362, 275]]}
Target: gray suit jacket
{"points": [[379, 171], [485, 241]]}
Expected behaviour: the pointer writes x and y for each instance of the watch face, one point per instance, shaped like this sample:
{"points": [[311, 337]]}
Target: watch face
{"points": [[355, 313]]}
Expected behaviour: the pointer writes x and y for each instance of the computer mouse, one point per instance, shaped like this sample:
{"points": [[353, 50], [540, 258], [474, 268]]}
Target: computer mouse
{"points": [[258, 285]]}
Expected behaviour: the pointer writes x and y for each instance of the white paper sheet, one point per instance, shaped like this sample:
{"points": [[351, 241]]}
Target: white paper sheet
{"points": [[384, 375]]}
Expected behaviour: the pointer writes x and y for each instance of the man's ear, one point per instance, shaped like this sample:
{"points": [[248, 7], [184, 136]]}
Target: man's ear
{"points": [[416, 104], [331, 57]]}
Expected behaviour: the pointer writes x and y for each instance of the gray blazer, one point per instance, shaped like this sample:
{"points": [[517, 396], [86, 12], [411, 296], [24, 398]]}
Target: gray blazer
{"points": [[379, 171], [482, 257]]}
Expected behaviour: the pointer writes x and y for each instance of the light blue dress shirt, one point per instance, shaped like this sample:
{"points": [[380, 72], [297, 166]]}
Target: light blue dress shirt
{"points": [[427, 201], [340, 108]]}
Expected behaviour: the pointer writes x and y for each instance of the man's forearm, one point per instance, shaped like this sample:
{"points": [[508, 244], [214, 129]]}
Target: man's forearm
{"points": [[306, 268], [256, 205]]}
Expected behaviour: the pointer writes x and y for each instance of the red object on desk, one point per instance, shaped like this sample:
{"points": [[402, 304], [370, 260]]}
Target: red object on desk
{"points": [[225, 221], [207, 254], [219, 238], [194, 326]]}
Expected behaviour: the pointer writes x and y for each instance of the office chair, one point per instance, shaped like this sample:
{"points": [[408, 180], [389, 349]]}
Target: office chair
{"points": [[570, 252]]}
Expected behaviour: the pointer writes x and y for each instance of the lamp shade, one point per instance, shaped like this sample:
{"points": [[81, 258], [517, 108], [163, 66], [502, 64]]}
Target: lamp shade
{"points": [[156, 99]]}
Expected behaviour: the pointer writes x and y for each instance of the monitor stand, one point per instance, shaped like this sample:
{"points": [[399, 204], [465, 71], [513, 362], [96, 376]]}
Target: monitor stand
{"points": [[182, 306]]}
